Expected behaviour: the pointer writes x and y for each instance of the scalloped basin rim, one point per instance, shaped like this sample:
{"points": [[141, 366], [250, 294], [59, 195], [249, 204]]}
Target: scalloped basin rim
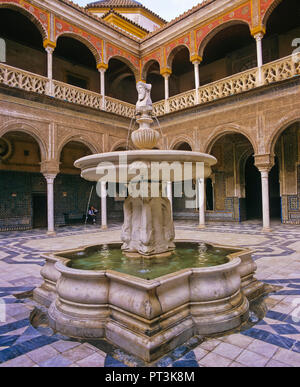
{"points": [[61, 266], [140, 282]]}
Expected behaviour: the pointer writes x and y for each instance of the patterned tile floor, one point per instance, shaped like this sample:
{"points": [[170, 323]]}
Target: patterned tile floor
{"points": [[272, 342]]}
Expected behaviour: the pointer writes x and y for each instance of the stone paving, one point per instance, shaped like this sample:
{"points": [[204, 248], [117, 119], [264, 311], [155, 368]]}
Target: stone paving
{"points": [[272, 342]]}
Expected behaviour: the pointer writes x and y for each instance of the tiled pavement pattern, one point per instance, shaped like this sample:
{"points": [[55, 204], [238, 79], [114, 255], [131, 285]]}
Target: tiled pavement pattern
{"points": [[272, 342]]}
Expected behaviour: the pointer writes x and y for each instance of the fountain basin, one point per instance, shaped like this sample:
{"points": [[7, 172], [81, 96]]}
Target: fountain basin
{"points": [[148, 318]]}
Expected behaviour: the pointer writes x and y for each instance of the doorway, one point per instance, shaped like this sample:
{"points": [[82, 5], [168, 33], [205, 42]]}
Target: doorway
{"points": [[253, 190], [254, 194], [39, 211], [275, 199], [209, 195]]}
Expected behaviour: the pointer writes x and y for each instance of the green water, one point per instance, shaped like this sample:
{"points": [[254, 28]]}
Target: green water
{"points": [[186, 255]]}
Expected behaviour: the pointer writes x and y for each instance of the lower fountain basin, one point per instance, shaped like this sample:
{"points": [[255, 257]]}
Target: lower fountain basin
{"points": [[186, 255], [148, 318]]}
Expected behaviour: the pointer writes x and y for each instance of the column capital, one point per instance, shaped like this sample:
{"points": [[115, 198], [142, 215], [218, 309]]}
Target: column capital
{"points": [[264, 163], [49, 45], [258, 32], [49, 168], [258, 37], [196, 59], [264, 171], [50, 177], [166, 72], [102, 67]]}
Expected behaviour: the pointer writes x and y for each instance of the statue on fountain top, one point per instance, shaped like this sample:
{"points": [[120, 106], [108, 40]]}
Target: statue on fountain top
{"points": [[144, 137], [144, 103]]}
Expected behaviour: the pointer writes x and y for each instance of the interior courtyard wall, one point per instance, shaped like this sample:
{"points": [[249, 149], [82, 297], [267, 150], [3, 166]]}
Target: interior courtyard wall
{"points": [[52, 127], [259, 118], [287, 151]]}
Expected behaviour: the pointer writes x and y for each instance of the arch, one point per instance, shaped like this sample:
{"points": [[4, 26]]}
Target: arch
{"points": [[15, 126], [128, 63], [269, 11], [243, 158], [80, 139], [84, 41], [174, 52], [241, 163], [120, 144], [29, 16], [222, 131], [146, 67], [280, 128], [181, 139], [218, 29]]}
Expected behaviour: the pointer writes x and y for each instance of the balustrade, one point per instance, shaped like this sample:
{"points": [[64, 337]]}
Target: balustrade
{"points": [[282, 69]]}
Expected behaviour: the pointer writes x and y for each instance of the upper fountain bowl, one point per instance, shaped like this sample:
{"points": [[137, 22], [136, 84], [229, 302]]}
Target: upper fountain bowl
{"points": [[122, 166]]}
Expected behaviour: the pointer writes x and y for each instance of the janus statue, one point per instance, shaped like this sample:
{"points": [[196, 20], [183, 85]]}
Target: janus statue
{"points": [[144, 103]]}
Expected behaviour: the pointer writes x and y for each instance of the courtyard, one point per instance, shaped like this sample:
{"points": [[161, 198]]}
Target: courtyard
{"points": [[92, 93], [273, 341]]}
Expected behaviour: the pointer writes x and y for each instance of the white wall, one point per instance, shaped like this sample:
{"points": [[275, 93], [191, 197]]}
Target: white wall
{"points": [[141, 20]]}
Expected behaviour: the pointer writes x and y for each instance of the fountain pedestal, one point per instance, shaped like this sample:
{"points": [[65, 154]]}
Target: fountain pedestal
{"points": [[148, 228]]}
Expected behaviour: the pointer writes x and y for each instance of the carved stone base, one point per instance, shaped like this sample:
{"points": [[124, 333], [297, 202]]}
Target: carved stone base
{"points": [[148, 227], [148, 318]]}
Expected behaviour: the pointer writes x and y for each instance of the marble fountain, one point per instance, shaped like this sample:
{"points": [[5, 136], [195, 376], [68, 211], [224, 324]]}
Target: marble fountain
{"points": [[150, 293]]}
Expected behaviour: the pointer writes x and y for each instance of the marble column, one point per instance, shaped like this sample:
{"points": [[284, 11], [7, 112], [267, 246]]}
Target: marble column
{"points": [[169, 190], [103, 206], [258, 38], [50, 90], [265, 198], [166, 76], [50, 202], [201, 199], [102, 85], [196, 60], [166, 72], [196, 64]]}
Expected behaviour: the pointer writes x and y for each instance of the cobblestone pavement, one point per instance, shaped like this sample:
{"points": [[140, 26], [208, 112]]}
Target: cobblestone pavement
{"points": [[272, 342]]}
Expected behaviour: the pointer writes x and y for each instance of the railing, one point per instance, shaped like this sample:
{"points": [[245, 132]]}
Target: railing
{"points": [[229, 86], [76, 95], [276, 71], [119, 107], [182, 101], [284, 68], [11, 76], [159, 108], [235, 84], [281, 69]]}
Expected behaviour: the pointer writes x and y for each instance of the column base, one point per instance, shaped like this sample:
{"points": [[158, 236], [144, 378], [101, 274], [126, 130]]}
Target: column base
{"points": [[51, 233], [103, 227], [201, 226], [266, 229]]}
